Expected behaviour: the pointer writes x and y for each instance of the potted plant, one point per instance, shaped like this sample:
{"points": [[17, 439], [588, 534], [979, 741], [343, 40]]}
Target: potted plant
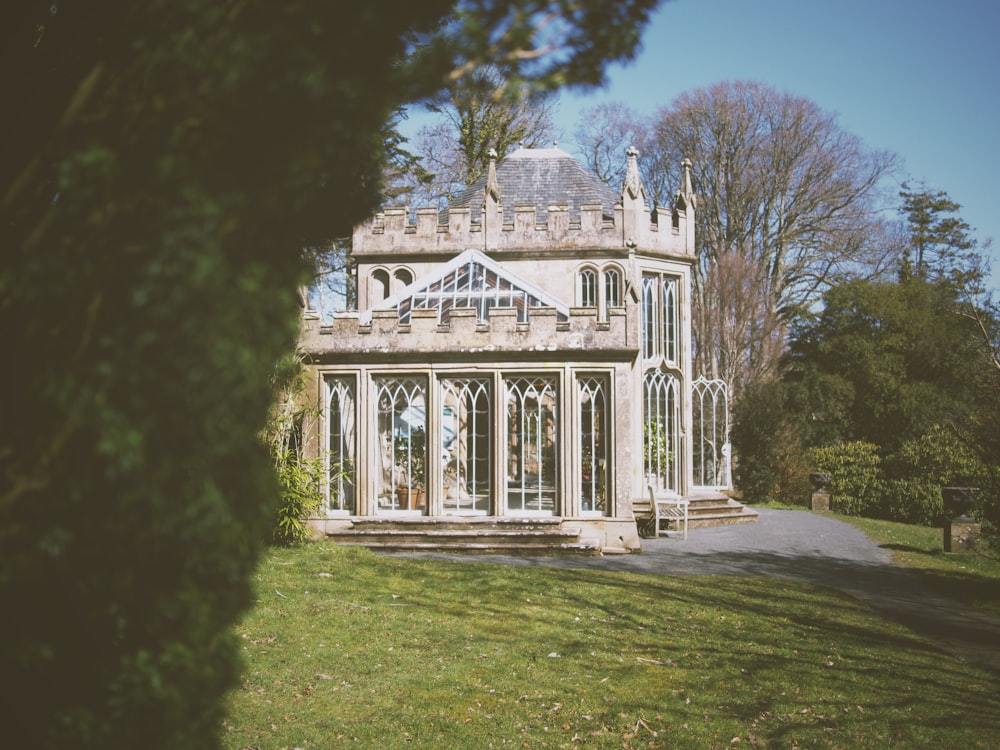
{"points": [[656, 456], [410, 460]]}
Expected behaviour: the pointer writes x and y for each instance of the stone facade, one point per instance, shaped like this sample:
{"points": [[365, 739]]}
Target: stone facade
{"points": [[514, 356]]}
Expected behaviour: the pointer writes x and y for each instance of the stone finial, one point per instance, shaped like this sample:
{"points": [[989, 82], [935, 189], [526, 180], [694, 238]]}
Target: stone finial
{"points": [[687, 189], [492, 186], [632, 187]]}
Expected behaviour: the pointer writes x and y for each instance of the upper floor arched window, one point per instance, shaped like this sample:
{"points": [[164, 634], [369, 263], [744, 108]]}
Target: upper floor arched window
{"points": [[612, 287], [401, 278], [381, 285], [601, 289], [660, 333], [588, 288]]}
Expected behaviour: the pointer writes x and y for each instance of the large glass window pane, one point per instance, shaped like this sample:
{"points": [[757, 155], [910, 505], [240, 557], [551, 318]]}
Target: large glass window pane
{"points": [[660, 429], [340, 445], [466, 447], [649, 322], [660, 318], [593, 476], [668, 318], [531, 445], [402, 436]]}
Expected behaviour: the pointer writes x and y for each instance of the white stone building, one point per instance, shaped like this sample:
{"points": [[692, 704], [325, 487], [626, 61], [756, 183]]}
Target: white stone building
{"points": [[518, 371]]}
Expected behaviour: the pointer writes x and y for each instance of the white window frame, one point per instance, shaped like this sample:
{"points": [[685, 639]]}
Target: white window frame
{"points": [[340, 440], [595, 453]]}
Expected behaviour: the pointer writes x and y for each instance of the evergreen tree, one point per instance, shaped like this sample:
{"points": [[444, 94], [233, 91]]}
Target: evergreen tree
{"points": [[940, 245], [888, 361]]}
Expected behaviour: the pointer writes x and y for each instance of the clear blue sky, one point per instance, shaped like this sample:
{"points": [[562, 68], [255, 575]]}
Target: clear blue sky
{"points": [[916, 77]]}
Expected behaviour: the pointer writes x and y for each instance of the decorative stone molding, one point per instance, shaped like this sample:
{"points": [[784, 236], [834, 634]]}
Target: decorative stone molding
{"points": [[462, 333]]}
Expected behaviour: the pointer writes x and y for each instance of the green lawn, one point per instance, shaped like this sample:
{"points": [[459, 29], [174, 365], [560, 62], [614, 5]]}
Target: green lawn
{"points": [[350, 649]]}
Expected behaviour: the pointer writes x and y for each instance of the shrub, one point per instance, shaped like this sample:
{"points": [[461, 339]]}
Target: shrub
{"points": [[301, 496], [299, 476], [127, 548], [912, 501], [989, 509], [935, 459], [938, 457], [855, 476]]}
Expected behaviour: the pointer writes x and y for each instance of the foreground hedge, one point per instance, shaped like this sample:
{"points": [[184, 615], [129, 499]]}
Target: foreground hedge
{"points": [[173, 159]]}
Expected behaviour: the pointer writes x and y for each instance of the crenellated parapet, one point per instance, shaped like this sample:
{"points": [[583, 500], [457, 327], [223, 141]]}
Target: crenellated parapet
{"points": [[520, 228], [545, 334]]}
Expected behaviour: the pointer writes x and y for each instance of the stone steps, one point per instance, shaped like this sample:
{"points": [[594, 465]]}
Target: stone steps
{"points": [[705, 512], [722, 519], [544, 536], [461, 523]]}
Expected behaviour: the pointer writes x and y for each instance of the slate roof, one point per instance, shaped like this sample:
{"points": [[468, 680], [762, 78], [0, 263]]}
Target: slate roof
{"points": [[542, 177]]}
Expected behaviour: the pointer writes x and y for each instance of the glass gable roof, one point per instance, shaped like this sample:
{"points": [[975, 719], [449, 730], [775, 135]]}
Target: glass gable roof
{"points": [[471, 280]]}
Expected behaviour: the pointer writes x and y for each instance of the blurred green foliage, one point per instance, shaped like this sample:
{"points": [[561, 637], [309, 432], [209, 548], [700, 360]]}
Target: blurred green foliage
{"points": [[163, 165]]}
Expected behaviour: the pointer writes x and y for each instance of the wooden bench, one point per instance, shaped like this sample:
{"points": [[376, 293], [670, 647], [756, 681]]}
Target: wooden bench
{"points": [[662, 509]]}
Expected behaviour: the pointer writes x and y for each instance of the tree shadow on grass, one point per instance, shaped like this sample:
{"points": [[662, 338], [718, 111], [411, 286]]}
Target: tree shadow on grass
{"points": [[723, 616], [908, 597], [967, 587]]}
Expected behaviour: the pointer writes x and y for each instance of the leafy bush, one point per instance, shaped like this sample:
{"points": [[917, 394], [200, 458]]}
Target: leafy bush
{"points": [[855, 476], [938, 457], [906, 487], [301, 496], [989, 509], [299, 476], [911, 501], [168, 163]]}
